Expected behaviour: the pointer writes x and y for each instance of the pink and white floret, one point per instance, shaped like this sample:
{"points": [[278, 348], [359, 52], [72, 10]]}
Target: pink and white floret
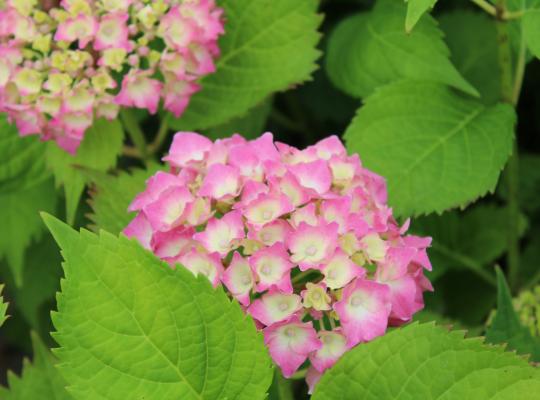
{"points": [[64, 63], [303, 239]]}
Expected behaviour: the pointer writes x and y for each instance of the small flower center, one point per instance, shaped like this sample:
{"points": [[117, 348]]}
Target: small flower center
{"points": [[289, 332], [332, 274], [267, 214], [266, 237], [283, 306], [266, 269], [356, 301], [224, 243], [311, 251], [316, 296], [246, 279]]}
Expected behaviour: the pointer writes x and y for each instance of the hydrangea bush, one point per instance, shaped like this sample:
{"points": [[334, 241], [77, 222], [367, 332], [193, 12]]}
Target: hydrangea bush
{"points": [[63, 64], [303, 239]]}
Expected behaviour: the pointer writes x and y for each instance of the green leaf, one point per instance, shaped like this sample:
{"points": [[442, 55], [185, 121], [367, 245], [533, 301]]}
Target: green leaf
{"points": [[371, 49], [41, 276], [3, 308], [472, 39], [529, 183], [250, 125], [130, 327], [26, 188], [427, 362], [415, 10], [112, 194], [99, 150], [531, 31], [473, 239], [39, 380], [506, 327], [261, 37], [437, 150], [281, 388]]}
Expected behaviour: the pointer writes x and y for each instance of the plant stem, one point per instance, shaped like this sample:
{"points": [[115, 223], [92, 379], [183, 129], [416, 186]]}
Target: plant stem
{"points": [[134, 131], [161, 134], [510, 88], [494, 11], [487, 7]]}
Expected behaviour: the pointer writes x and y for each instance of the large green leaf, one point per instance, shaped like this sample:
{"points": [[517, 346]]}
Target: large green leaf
{"points": [[372, 49], [39, 380], [415, 10], [112, 194], [427, 362], [99, 150], [130, 327], [472, 39], [26, 187], [268, 46], [471, 240], [437, 150], [3, 308], [506, 327]]}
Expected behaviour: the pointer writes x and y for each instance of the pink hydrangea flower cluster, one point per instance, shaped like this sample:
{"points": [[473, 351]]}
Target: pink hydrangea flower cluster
{"points": [[303, 239], [63, 64]]}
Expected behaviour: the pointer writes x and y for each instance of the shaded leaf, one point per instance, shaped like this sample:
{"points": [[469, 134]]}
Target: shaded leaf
{"points": [[26, 187], [260, 37], [473, 239], [250, 125], [99, 150], [415, 10], [3, 307], [472, 40], [112, 194], [369, 50], [437, 150], [506, 327], [39, 380]]}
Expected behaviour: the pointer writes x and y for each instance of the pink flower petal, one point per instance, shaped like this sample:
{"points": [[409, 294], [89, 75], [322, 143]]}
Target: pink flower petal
{"points": [[239, 279], [188, 147], [274, 307], [272, 267], [289, 343], [363, 310]]}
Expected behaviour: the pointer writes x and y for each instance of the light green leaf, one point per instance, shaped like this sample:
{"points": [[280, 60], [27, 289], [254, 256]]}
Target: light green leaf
{"points": [[3, 308], [473, 239], [531, 31], [250, 125], [268, 46], [415, 10], [26, 188], [506, 327], [371, 49], [99, 150], [427, 362], [472, 39], [112, 194], [39, 380], [437, 150], [130, 327]]}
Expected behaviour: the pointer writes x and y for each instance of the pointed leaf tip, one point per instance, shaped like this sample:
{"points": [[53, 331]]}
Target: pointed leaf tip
{"points": [[61, 232]]}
